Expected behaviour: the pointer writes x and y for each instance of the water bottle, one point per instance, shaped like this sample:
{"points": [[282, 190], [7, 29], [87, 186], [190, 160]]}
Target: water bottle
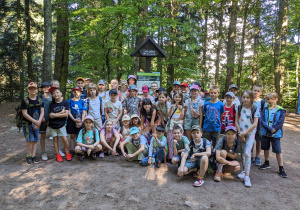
{"points": [[152, 162], [78, 116], [36, 116]]}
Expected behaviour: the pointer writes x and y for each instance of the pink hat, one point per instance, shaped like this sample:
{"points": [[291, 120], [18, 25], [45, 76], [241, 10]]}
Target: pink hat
{"points": [[145, 89], [194, 87]]}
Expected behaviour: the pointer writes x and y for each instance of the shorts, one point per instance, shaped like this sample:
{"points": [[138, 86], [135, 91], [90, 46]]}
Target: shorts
{"points": [[188, 123], [71, 127], [265, 144], [43, 127], [191, 165], [98, 123], [58, 132], [211, 136], [29, 133]]}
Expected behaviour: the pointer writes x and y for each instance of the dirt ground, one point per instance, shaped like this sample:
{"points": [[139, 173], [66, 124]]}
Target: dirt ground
{"points": [[113, 182]]}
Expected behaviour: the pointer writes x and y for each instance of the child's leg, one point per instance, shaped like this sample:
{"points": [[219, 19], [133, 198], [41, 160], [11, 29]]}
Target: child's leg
{"points": [[267, 154], [55, 144], [203, 166], [78, 150], [188, 134], [65, 142], [33, 148], [42, 141], [223, 154], [160, 155], [258, 148], [279, 159], [29, 148], [249, 143], [73, 141], [170, 144]]}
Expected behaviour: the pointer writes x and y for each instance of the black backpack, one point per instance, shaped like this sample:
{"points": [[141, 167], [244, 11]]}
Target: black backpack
{"points": [[192, 144]]}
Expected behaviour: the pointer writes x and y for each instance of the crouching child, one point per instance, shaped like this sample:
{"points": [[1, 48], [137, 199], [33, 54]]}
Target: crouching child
{"points": [[195, 156], [88, 140]]}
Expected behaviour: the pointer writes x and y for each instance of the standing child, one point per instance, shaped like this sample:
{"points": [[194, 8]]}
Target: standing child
{"points": [[176, 88], [228, 118], [162, 107], [78, 109], [104, 95], [80, 83], [94, 105], [213, 111], [246, 122], [195, 156], [185, 91], [123, 91], [47, 99], [59, 111], [132, 103], [33, 113], [88, 140], [193, 109], [237, 100], [113, 108], [154, 87], [109, 138], [146, 94], [176, 114], [272, 119], [149, 116]]}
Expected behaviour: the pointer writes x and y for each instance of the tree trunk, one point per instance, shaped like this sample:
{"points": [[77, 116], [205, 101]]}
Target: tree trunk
{"points": [[204, 73], [256, 43], [119, 51], [20, 46], [220, 34], [231, 44], [62, 46], [242, 50], [298, 62], [47, 62], [28, 43]]}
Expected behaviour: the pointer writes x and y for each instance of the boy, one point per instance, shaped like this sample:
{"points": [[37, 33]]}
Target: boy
{"points": [[59, 111], [80, 83], [136, 145], [180, 142], [87, 82], [146, 94], [113, 108], [47, 100], [104, 95], [272, 119], [33, 113], [237, 100], [213, 111], [154, 87], [195, 156], [185, 91], [260, 104], [227, 150], [132, 103], [228, 118], [176, 87]]}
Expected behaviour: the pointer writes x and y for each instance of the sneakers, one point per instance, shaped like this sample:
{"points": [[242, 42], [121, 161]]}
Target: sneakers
{"points": [[44, 156], [241, 175], [59, 158], [218, 177], [69, 157], [257, 161], [94, 156], [283, 174], [81, 158], [35, 160], [101, 155], [50, 138], [61, 153], [199, 182], [264, 166], [247, 181], [29, 160]]}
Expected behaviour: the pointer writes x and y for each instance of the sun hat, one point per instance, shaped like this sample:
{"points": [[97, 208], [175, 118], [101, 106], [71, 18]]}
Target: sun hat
{"points": [[125, 117], [88, 79], [233, 86], [113, 91], [134, 115], [123, 82], [45, 84], [194, 87], [196, 127], [197, 83], [53, 88], [184, 84], [132, 87]]}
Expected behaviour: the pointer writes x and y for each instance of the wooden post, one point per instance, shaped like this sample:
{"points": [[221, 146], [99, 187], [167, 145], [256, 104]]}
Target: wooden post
{"points": [[148, 64]]}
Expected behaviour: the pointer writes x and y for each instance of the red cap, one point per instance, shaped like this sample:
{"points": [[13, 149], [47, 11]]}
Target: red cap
{"points": [[52, 88], [145, 89], [76, 88], [184, 84]]}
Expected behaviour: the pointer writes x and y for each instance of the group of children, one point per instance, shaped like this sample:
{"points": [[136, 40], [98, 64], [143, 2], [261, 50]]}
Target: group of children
{"points": [[187, 127]]}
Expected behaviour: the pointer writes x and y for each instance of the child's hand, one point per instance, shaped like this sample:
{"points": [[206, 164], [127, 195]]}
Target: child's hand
{"points": [[149, 161], [35, 127], [113, 152], [273, 131], [180, 107], [77, 120], [125, 155], [173, 105], [174, 141], [193, 158], [129, 155], [79, 125], [243, 138]]}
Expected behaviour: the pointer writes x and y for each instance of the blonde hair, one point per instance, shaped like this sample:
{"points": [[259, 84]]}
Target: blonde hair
{"points": [[258, 86], [214, 88], [54, 81], [92, 86], [272, 95]]}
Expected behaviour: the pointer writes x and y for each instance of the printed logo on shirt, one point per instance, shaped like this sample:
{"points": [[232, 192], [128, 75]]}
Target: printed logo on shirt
{"points": [[212, 114]]}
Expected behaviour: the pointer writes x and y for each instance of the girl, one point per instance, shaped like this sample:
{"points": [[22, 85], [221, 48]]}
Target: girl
{"points": [[124, 130], [135, 121], [246, 122], [175, 114], [88, 140], [94, 105], [149, 116], [162, 107], [78, 109], [123, 90], [109, 138]]}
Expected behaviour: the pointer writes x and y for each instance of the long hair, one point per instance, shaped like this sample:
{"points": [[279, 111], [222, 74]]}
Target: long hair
{"points": [[147, 101], [251, 95], [165, 94], [132, 125], [180, 94], [92, 86]]}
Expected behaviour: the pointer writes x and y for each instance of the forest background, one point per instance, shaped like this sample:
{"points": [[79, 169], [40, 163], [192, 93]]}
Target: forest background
{"points": [[216, 42]]}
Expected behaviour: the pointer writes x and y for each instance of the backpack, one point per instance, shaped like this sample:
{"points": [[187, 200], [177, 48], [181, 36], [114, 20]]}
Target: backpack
{"points": [[235, 144], [192, 144], [88, 103], [253, 110], [19, 118]]}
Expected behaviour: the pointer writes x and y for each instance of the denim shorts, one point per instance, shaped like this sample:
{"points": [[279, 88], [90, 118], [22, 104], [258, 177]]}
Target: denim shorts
{"points": [[29, 133], [191, 165], [266, 141], [188, 123]]}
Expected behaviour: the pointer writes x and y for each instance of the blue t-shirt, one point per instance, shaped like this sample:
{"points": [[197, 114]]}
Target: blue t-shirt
{"points": [[271, 115], [258, 104], [213, 111], [76, 106]]}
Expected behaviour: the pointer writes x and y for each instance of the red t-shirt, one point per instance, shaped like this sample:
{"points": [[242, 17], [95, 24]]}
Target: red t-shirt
{"points": [[228, 117]]}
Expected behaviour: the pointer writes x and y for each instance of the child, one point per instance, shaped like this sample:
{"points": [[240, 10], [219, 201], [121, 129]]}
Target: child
{"points": [[78, 109], [227, 150], [149, 116], [156, 149], [201, 94], [124, 130], [179, 144], [123, 91], [47, 99], [237, 100], [260, 104], [146, 94], [88, 81], [195, 156], [59, 111], [135, 121], [176, 114], [109, 138], [213, 111], [80, 83], [176, 87], [132, 103], [88, 140], [113, 108], [131, 80], [185, 91], [33, 113], [193, 109], [246, 122], [104, 95], [94, 105], [272, 119], [162, 107], [154, 87], [114, 84], [228, 118], [136, 145], [158, 91]]}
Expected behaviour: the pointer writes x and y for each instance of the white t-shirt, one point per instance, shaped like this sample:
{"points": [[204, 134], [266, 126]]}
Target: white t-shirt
{"points": [[113, 109], [245, 120], [94, 107]]}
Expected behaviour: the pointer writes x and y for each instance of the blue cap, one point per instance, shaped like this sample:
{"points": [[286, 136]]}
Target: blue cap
{"points": [[113, 91], [230, 94], [233, 86], [161, 89], [101, 82], [132, 87], [134, 130], [176, 83]]}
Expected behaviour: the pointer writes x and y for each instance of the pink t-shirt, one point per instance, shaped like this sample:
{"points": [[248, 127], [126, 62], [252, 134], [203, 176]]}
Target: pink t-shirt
{"points": [[108, 136]]}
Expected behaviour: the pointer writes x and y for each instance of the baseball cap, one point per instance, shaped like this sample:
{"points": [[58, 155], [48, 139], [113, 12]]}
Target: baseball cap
{"points": [[101, 82], [45, 84], [132, 87], [145, 89], [194, 87], [76, 88], [161, 89], [134, 130], [230, 94], [125, 117], [123, 82], [88, 79], [196, 127], [53, 88], [184, 84], [176, 83], [233, 86], [89, 117], [32, 84], [113, 91], [230, 128], [79, 78], [197, 83]]}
